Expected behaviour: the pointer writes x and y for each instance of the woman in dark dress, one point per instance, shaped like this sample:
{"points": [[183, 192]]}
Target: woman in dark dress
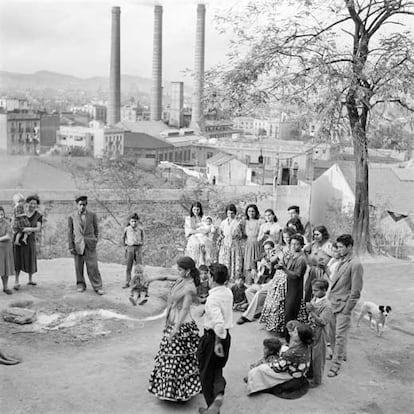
{"points": [[25, 259], [295, 269], [6, 251]]}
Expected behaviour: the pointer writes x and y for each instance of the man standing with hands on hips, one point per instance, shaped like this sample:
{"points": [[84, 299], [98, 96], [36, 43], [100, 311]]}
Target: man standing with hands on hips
{"points": [[83, 238]]}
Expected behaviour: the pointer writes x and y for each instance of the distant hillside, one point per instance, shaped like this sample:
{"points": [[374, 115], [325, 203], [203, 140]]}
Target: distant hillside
{"points": [[52, 80], [11, 82]]}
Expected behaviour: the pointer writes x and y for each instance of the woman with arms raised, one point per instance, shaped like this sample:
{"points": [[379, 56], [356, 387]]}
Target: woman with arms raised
{"points": [[175, 376]]}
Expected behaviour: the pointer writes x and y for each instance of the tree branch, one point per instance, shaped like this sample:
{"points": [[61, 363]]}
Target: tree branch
{"points": [[394, 100]]}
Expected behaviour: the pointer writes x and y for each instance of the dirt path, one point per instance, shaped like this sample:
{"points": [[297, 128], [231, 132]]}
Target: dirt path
{"points": [[102, 365]]}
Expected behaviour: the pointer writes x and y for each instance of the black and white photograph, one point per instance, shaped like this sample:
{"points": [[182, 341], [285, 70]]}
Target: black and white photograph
{"points": [[206, 206]]}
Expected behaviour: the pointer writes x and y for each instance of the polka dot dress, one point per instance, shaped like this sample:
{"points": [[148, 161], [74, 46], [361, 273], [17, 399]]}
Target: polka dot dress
{"points": [[175, 376]]}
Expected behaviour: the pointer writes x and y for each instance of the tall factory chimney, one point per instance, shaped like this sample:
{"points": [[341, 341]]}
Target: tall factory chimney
{"points": [[197, 115], [114, 110], [156, 89]]}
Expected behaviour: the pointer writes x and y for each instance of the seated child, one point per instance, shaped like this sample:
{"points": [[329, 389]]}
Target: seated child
{"points": [[139, 284], [271, 350], [292, 363], [20, 219], [239, 295], [291, 326], [203, 287]]}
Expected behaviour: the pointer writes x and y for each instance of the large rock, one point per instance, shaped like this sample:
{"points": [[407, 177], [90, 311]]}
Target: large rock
{"points": [[20, 316]]}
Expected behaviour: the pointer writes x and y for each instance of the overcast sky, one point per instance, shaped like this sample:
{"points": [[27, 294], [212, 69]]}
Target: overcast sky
{"points": [[73, 36]]}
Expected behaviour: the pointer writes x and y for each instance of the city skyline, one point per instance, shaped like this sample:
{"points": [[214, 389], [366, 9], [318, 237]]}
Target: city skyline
{"points": [[34, 37]]}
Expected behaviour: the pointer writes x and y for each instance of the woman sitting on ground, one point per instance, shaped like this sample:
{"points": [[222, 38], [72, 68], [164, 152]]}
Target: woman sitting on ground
{"points": [[293, 363]]}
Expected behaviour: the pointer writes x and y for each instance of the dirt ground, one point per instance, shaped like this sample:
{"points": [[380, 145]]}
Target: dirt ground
{"points": [[92, 354]]}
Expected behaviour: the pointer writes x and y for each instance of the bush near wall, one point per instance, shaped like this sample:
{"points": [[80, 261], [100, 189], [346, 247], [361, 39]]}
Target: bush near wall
{"points": [[163, 225]]}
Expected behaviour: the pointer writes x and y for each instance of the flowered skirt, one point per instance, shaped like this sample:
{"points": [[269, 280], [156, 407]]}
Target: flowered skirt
{"points": [[273, 313], [175, 376], [232, 257]]}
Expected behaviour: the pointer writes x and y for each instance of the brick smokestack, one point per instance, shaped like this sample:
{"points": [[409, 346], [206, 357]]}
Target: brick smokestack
{"points": [[197, 115], [114, 110], [156, 89]]}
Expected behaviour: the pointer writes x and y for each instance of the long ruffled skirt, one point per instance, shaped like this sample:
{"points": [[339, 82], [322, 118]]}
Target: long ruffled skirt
{"points": [[175, 376], [273, 313]]}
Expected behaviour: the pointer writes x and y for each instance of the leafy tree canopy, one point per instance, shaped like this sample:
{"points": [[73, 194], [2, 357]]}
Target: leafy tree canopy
{"points": [[333, 60], [314, 55]]}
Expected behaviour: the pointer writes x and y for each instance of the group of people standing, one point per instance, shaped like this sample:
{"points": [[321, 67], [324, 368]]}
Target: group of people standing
{"points": [[301, 289], [18, 241], [237, 242], [18, 249], [296, 283]]}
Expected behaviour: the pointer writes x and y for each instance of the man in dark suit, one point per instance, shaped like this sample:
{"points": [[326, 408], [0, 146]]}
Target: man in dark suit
{"points": [[83, 238], [344, 293]]}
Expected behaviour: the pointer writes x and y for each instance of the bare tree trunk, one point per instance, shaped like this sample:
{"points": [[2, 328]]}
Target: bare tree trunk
{"points": [[360, 229]]}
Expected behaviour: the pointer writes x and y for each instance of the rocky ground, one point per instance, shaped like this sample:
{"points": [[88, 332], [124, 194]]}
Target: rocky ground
{"points": [[92, 354]]}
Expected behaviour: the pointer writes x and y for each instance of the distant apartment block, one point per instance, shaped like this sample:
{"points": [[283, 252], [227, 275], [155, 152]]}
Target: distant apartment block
{"points": [[219, 129], [13, 104], [75, 137], [282, 128], [94, 111], [257, 126], [20, 133], [96, 140]]}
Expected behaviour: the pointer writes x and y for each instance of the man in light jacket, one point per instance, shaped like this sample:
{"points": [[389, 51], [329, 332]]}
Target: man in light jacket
{"points": [[83, 238], [344, 293]]}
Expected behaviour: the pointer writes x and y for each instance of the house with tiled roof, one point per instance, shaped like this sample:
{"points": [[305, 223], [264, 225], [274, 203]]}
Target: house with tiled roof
{"points": [[391, 194]]}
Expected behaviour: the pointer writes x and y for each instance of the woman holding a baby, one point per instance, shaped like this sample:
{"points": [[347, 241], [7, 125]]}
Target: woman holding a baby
{"points": [[199, 231]]}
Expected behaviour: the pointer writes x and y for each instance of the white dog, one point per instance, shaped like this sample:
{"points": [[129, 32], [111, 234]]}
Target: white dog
{"points": [[377, 314]]}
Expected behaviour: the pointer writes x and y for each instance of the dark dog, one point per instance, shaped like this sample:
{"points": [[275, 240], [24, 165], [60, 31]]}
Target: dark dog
{"points": [[377, 314]]}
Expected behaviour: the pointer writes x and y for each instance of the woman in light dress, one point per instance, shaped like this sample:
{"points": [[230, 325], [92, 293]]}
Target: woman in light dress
{"points": [[270, 229], [198, 233], [253, 248], [231, 252], [318, 254]]}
